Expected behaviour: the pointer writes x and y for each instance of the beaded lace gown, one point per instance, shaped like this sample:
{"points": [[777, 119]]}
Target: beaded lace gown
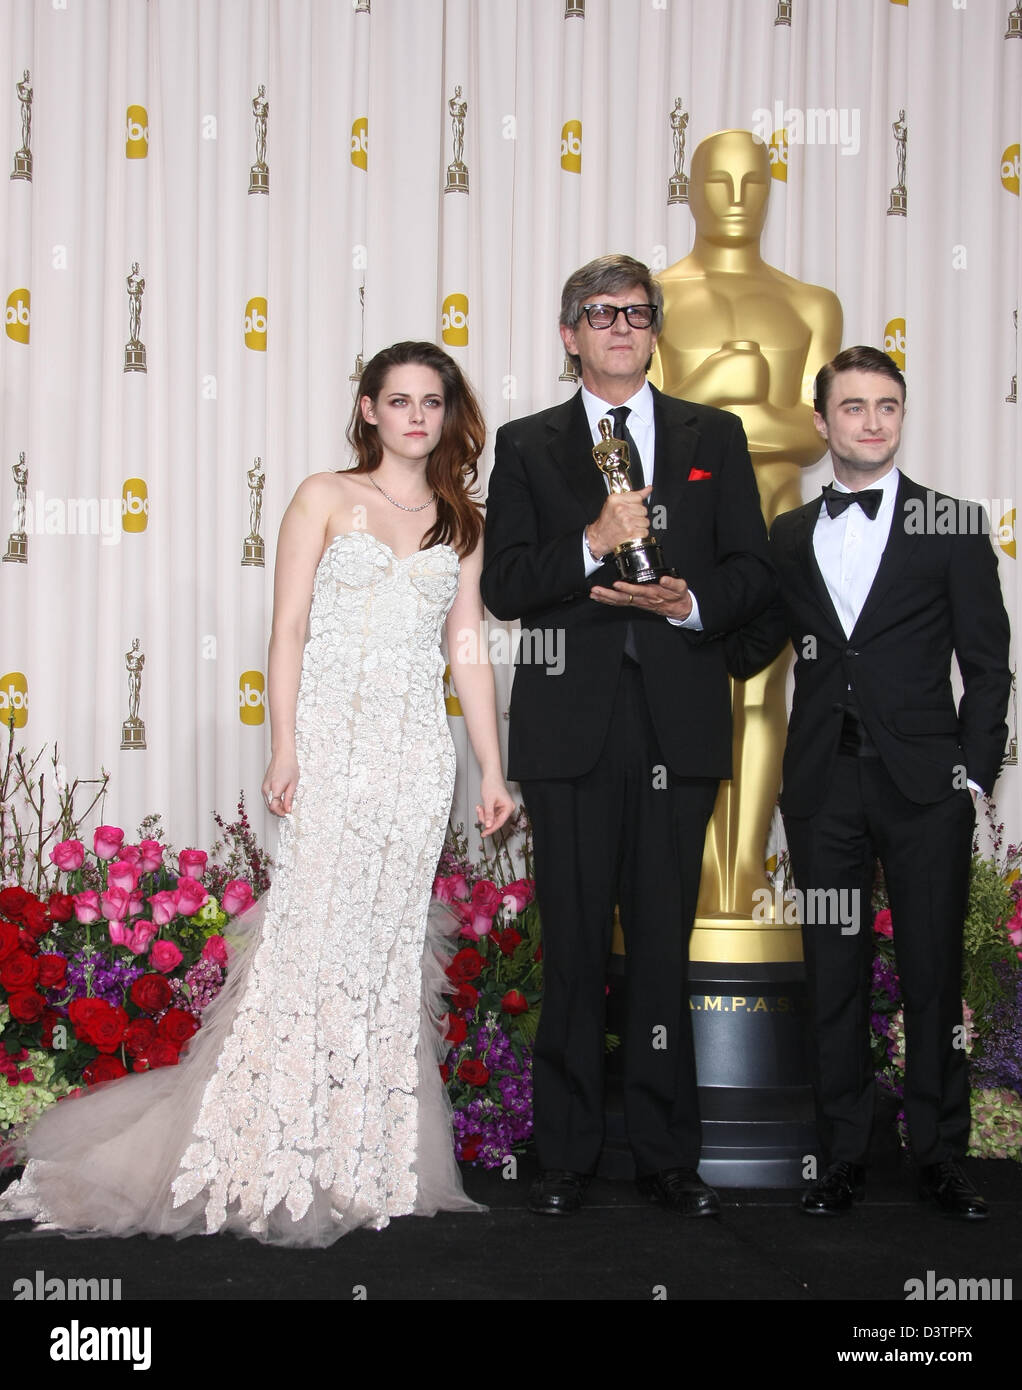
{"points": [[310, 1101]]}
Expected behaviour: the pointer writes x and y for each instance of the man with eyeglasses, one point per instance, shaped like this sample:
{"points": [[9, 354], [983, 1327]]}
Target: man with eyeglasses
{"points": [[620, 747]]}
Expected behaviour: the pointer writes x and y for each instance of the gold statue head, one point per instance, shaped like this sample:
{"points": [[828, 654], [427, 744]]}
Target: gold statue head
{"points": [[729, 187]]}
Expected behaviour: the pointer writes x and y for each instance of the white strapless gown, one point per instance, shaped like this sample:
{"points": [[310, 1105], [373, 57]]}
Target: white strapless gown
{"points": [[310, 1101]]}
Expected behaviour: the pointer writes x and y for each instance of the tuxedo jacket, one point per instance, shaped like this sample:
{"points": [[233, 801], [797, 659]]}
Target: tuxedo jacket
{"points": [[544, 490], [935, 595]]}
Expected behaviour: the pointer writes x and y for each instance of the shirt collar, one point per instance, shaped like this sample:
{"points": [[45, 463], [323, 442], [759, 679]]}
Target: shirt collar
{"points": [[888, 485], [641, 405]]}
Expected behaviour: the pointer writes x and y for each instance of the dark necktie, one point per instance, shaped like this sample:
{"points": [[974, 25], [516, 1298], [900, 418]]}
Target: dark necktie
{"points": [[620, 415], [837, 502]]}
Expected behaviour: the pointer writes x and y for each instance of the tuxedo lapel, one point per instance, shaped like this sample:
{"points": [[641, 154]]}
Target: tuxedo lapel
{"points": [[674, 451], [802, 541], [896, 552], [570, 445]]}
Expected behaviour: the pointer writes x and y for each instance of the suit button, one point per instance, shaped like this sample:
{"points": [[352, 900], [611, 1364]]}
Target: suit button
{"points": [[850, 651]]}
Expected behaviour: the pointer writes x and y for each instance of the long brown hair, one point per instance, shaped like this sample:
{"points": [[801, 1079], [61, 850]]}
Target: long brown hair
{"points": [[451, 469]]}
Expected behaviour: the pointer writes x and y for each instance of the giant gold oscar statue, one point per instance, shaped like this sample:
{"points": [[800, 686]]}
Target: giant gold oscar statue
{"points": [[742, 335]]}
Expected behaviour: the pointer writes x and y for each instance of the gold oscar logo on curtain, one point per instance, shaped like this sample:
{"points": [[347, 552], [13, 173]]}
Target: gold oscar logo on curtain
{"points": [[134, 504], [255, 324], [1010, 169], [1006, 533], [251, 697], [14, 699], [454, 320], [571, 147], [894, 342], [360, 142], [778, 151], [451, 695], [18, 316], [136, 134]]}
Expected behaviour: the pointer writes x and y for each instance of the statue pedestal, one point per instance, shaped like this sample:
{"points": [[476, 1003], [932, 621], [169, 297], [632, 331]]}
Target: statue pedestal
{"points": [[750, 1028]]}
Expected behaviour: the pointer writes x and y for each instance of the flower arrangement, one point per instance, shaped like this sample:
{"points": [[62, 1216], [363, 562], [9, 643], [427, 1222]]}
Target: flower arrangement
{"points": [[991, 1005], [110, 956], [498, 979]]}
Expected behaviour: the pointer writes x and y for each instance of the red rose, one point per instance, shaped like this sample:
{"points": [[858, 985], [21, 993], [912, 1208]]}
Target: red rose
{"points": [[28, 943], [474, 1072], [8, 939], [26, 1006], [470, 1146], [445, 1073], [538, 952], [12, 902], [882, 923], [160, 1053], [103, 1069], [35, 919], [508, 940], [49, 1021], [19, 971], [466, 965], [107, 1027], [457, 1029], [466, 996], [52, 970], [151, 993], [514, 1002], [486, 897], [177, 1026], [80, 1011], [62, 906], [138, 1035]]}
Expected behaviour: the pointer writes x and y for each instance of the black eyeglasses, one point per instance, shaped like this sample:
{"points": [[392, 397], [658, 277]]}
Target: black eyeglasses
{"points": [[603, 315]]}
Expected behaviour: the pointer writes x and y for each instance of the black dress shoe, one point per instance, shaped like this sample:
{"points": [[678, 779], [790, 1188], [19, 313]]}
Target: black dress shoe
{"points": [[558, 1192], [950, 1190], [841, 1185], [680, 1190]]}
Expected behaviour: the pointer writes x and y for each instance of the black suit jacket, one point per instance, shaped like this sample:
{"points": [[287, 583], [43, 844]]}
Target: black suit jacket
{"points": [[544, 490], [934, 595]]}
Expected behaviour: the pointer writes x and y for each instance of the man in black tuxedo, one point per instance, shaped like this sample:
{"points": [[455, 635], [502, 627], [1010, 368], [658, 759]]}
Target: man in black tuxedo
{"points": [[620, 746], [881, 582]]}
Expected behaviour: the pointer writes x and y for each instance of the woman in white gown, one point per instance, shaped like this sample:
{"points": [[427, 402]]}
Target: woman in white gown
{"points": [[310, 1101]]}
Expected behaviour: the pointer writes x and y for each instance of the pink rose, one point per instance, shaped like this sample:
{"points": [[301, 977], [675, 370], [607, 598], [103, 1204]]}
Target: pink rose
{"points": [[190, 896], [474, 925], [459, 887], [87, 907], [152, 855], [120, 874], [68, 855], [107, 841], [442, 890], [114, 902], [882, 923], [141, 937], [191, 863], [237, 897], [518, 895], [486, 897], [120, 935], [164, 906], [164, 956], [131, 854], [215, 950]]}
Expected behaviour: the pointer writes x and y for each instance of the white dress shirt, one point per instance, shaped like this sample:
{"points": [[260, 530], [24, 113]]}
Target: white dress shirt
{"points": [[641, 428], [849, 548]]}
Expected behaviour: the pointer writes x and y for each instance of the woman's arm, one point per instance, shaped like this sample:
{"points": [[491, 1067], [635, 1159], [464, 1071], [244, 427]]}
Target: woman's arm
{"points": [[473, 680], [299, 548]]}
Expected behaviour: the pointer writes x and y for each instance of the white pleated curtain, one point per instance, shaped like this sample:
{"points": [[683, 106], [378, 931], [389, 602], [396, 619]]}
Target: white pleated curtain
{"points": [[143, 136]]}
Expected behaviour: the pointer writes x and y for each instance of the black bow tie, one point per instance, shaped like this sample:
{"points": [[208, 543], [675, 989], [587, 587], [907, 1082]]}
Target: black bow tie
{"points": [[837, 502]]}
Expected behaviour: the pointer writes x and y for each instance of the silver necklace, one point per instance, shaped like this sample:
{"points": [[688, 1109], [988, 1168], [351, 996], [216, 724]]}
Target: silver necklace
{"points": [[394, 502]]}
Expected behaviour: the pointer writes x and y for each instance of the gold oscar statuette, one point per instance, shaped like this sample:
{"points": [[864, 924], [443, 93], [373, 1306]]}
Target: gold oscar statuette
{"points": [[23, 157], [259, 172], [253, 548], [743, 336], [898, 206], [17, 541], [457, 170], [133, 729], [134, 348], [638, 561]]}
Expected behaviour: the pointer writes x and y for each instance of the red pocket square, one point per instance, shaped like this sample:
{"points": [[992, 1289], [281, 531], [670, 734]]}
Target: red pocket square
{"points": [[696, 474]]}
